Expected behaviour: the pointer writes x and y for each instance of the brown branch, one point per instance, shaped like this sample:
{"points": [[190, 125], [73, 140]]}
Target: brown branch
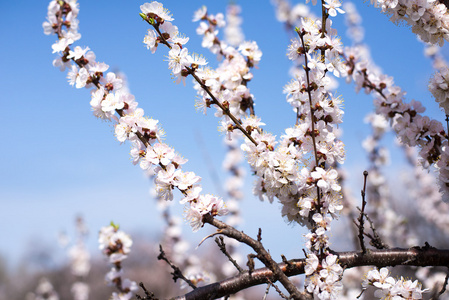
{"points": [[262, 255], [416, 256]]}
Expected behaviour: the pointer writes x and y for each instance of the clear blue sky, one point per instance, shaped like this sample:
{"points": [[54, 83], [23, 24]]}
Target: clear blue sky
{"points": [[58, 161]]}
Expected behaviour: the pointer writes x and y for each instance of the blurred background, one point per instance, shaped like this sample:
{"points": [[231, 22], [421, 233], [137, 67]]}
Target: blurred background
{"points": [[59, 162]]}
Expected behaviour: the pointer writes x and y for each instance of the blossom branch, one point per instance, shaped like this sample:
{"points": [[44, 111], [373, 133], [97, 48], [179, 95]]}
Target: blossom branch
{"points": [[191, 70], [216, 46], [428, 19], [223, 107], [312, 117], [110, 99], [412, 128]]}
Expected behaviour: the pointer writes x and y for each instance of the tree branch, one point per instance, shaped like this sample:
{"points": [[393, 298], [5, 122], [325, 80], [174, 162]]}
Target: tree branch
{"points": [[416, 256], [262, 254]]}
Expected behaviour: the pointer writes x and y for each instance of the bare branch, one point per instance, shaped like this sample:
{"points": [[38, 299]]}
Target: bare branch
{"points": [[376, 240], [262, 254], [362, 213], [148, 295], [222, 246], [177, 274]]}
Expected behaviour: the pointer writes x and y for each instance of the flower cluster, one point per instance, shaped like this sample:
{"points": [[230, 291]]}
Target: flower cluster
{"points": [[226, 85], [179, 60], [169, 174], [228, 82], [323, 278], [116, 245], [298, 171], [316, 109], [439, 87], [411, 127], [390, 288], [427, 18], [281, 170], [308, 193], [111, 101]]}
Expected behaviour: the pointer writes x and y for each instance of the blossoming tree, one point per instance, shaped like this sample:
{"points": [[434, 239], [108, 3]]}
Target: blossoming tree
{"points": [[301, 169]]}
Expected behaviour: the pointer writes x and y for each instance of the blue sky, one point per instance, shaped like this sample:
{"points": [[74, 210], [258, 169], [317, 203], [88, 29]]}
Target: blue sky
{"points": [[58, 161]]}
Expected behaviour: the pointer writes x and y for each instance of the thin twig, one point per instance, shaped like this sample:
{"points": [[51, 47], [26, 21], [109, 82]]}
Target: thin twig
{"points": [[376, 240], [148, 295], [277, 290], [362, 213], [222, 246], [177, 274], [267, 291], [208, 236]]}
